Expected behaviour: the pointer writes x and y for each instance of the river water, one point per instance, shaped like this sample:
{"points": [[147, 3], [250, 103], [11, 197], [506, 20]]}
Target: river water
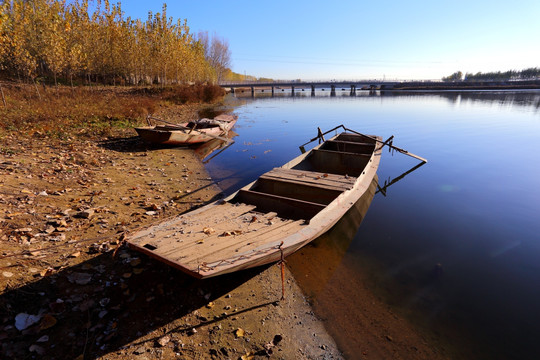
{"points": [[454, 246]]}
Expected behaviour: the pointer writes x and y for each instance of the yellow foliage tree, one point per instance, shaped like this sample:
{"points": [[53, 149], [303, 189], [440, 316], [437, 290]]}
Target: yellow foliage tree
{"points": [[63, 39]]}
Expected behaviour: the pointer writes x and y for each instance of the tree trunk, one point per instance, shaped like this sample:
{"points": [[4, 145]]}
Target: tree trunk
{"points": [[3, 97], [37, 90]]}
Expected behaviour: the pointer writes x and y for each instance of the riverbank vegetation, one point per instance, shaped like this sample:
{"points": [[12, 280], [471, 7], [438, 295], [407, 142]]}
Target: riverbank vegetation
{"points": [[64, 111], [510, 75], [58, 59], [86, 42]]}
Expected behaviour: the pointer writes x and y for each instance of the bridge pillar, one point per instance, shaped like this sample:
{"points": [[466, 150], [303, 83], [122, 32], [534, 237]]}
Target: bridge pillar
{"points": [[253, 91], [353, 90], [292, 90], [312, 90], [272, 91], [333, 90], [232, 90]]}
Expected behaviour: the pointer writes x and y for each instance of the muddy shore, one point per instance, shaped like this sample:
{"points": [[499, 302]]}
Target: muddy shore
{"points": [[64, 206]]}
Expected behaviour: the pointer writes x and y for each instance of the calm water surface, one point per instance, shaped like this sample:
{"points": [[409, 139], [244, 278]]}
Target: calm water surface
{"points": [[454, 245]]}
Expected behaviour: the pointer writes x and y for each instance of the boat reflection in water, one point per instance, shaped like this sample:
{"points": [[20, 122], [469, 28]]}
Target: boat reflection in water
{"points": [[213, 147], [340, 294], [314, 264]]}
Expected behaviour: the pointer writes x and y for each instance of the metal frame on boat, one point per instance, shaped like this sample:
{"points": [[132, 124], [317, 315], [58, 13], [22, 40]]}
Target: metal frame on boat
{"points": [[283, 210]]}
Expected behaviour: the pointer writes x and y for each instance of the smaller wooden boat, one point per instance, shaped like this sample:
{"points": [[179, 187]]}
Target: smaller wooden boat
{"points": [[192, 132]]}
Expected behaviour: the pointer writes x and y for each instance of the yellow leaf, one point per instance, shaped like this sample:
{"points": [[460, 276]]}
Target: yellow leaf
{"points": [[208, 230], [247, 356], [48, 321], [239, 332]]}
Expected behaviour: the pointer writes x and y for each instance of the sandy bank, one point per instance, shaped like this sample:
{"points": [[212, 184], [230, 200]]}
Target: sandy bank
{"points": [[64, 205]]}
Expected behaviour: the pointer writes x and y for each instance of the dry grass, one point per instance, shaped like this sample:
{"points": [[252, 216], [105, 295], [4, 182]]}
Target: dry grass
{"points": [[61, 111], [185, 94]]}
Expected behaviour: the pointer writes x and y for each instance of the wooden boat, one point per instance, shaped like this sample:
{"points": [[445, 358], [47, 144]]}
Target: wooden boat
{"points": [[192, 132], [274, 216]]}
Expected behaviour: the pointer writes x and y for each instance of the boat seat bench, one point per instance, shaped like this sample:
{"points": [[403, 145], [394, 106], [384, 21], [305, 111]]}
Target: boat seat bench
{"points": [[285, 207], [335, 162], [348, 147], [311, 178]]}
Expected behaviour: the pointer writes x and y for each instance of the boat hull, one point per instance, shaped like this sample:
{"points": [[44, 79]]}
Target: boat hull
{"points": [[274, 216], [181, 134]]}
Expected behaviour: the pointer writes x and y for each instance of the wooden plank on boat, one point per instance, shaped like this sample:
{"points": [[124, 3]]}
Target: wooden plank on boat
{"points": [[159, 235], [222, 232], [312, 178], [285, 207], [296, 189], [335, 162], [341, 153], [349, 147], [230, 246]]}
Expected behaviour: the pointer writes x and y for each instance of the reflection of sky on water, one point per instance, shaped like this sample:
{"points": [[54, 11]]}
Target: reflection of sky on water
{"points": [[473, 208]]}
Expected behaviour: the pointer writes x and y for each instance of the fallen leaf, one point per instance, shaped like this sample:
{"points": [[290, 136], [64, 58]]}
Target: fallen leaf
{"points": [[239, 332], [75, 254], [50, 229], [47, 322], [46, 272], [7, 274], [247, 356], [85, 214], [230, 233], [44, 338], [208, 230], [164, 340], [210, 305], [135, 261]]}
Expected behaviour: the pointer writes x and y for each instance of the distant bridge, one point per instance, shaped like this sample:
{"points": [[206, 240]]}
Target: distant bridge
{"points": [[369, 85], [373, 85]]}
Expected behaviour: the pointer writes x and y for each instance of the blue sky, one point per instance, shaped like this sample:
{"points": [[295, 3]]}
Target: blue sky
{"points": [[364, 39]]}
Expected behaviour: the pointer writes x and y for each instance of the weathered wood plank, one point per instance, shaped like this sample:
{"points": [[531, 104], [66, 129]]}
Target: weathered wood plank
{"points": [[348, 147], [201, 240], [313, 178], [239, 243], [285, 207], [321, 194], [164, 233]]}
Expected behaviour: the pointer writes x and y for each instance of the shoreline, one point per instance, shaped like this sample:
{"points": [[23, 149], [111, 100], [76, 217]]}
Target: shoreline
{"points": [[65, 203], [64, 206]]}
